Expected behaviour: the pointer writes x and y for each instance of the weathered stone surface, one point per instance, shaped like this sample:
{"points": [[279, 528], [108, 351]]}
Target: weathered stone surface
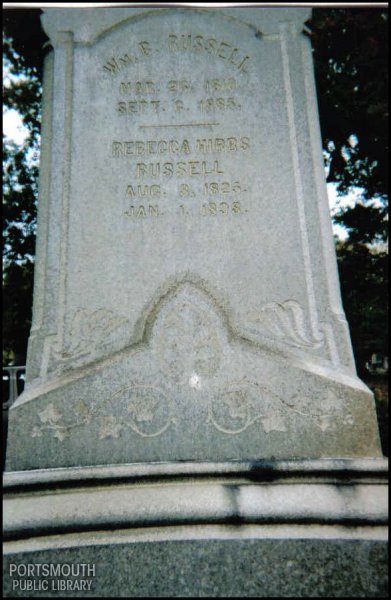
{"points": [[127, 504], [187, 304], [280, 528], [197, 411], [219, 567], [189, 354]]}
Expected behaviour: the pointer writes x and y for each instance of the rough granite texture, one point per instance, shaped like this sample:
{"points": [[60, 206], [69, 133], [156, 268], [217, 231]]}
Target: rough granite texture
{"points": [[215, 568], [186, 302]]}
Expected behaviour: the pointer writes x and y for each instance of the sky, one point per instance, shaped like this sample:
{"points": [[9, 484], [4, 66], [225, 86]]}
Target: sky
{"points": [[13, 127]]}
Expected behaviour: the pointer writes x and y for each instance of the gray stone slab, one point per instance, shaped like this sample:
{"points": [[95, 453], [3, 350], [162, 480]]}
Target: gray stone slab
{"points": [[348, 470], [218, 568], [186, 302], [189, 361], [193, 502], [41, 503]]}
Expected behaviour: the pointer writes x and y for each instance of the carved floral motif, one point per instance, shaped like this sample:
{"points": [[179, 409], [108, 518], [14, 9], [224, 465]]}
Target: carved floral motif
{"points": [[88, 331], [325, 413], [241, 404], [147, 411], [188, 349], [109, 427], [142, 409], [188, 342], [53, 420], [286, 322], [150, 412]]}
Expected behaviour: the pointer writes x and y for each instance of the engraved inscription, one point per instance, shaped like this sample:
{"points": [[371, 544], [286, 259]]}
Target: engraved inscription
{"points": [[178, 169], [205, 164], [150, 147], [124, 149], [142, 94], [143, 87], [141, 211], [114, 64], [143, 191], [228, 190], [141, 107], [219, 104], [185, 42]]}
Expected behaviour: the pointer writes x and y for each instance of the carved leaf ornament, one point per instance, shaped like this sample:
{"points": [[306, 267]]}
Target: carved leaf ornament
{"points": [[188, 349]]}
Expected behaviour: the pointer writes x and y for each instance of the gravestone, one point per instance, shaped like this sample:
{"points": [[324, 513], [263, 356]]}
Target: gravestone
{"points": [[187, 323]]}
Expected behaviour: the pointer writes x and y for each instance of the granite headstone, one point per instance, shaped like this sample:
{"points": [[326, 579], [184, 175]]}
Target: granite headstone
{"points": [[186, 303], [192, 422]]}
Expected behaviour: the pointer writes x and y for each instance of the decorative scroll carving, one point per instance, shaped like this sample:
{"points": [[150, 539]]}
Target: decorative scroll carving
{"points": [[232, 412], [286, 322], [241, 404], [89, 330], [148, 412], [187, 346], [143, 408], [325, 414]]}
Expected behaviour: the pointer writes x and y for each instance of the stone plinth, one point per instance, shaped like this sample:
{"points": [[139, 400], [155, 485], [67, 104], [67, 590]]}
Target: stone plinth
{"points": [[271, 528]]}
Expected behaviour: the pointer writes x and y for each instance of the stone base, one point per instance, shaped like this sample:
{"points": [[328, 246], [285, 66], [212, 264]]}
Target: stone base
{"points": [[229, 398], [290, 529]]}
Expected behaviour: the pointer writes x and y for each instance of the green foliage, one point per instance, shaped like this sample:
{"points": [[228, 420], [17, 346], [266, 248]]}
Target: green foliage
{"points": [[22, 92], [350, 52], [17, 301], [364, 294], [365, 224], [351, 70]]}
